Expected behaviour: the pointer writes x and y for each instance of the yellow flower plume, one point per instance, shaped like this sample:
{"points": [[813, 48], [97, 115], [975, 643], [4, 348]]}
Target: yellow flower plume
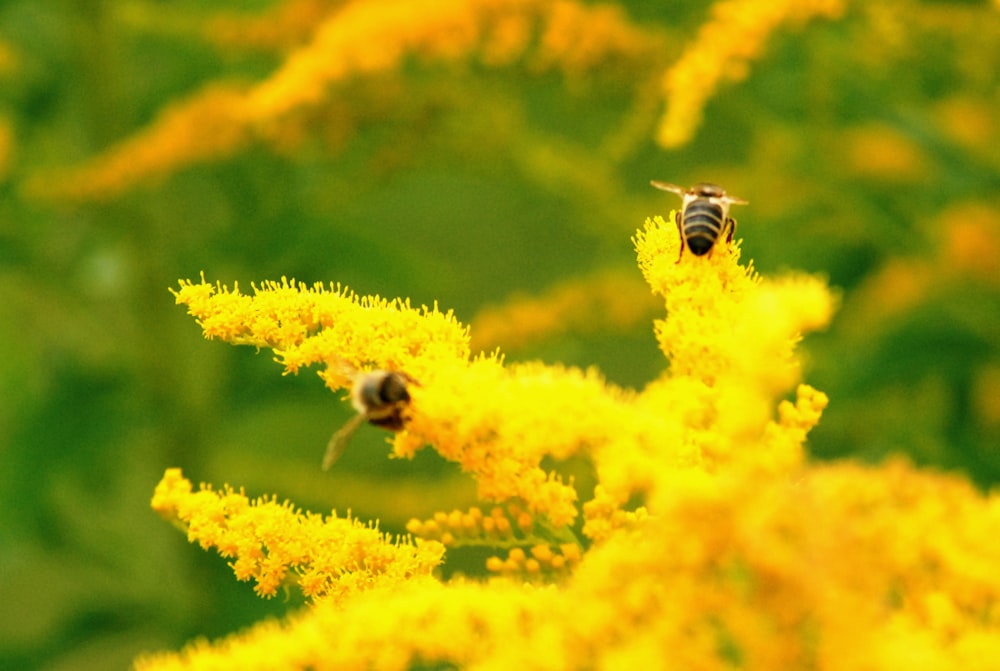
{"points": [[710, 541], [725, 45], [334, 44], [729, 336], [730, 339], [307, 325], [836, 571], [273, 544]]}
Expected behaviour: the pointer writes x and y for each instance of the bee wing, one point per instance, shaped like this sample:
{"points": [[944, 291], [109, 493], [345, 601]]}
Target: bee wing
{"points": [[666, 186], [736, 201], [338, 442]]}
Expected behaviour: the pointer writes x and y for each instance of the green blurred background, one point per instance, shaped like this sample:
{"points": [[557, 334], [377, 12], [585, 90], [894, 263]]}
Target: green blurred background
{"points": [[867, 147]]}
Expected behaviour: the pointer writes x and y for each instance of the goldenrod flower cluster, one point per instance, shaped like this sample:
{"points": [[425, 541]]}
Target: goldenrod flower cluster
{"points": [[326, 44], [273, 544], [709, 541], [307, 325], [722, 325], [846, 568], [336, 42], [363, 37], [722, 50]]}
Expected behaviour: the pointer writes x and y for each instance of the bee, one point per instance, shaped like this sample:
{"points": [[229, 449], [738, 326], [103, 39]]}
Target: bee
{"points": [[704, 217], [380, 397]]}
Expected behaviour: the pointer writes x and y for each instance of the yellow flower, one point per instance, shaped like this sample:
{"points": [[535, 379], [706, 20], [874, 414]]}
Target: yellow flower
{"points": [[722, 50], [363, 37], [272, 543], [577, 306], [708, 540], [835, 570], [729, 337], [202, 128], [306, 325], [330, 45], [8, 144]]}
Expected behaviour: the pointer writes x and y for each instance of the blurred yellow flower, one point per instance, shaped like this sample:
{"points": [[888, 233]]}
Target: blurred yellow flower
{"points": [[879, 152], [971, 241], [330, 43], [580, 305], [8, 146], [844, 568], [722, 51], [202, 128], [10, 58]]}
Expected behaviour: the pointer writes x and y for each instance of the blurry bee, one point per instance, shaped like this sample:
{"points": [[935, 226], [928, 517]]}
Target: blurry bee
{"points": [[704, 216], [380, 397]]}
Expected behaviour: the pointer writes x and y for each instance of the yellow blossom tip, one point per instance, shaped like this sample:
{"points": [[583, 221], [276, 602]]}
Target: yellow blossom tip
{"points": [[327, 325], [271, 543]]}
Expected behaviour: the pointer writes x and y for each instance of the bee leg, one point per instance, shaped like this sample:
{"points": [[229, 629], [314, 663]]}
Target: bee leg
{"points": [[680, 234], [731, 225]]}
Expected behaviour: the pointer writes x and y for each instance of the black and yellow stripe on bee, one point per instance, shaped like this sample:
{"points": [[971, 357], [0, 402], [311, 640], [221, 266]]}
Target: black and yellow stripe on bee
{"points": [[701, 224], [704, 216]]}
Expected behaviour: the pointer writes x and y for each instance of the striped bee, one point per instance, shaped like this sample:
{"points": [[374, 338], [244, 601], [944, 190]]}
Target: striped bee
{"points": [[380, 397], [704, 216]]}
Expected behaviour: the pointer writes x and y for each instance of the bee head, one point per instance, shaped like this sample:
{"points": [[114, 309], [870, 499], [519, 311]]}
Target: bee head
{"points": [[706, 190]]}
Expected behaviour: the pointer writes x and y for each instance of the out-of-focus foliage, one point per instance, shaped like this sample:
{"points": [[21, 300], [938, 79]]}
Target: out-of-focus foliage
{"points": [[491, 156]]}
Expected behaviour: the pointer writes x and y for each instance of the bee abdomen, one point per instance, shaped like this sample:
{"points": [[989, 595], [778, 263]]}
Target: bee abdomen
{"points": [[382, 396], [393, 389], [702, 226]]}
